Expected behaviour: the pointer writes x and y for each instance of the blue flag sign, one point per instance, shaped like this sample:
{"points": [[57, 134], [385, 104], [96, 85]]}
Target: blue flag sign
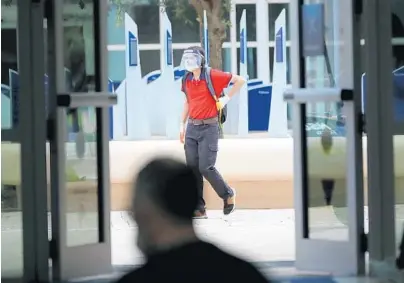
{"points": [[242, 46], [169, 49], [279, 46], [206, 45], [313, 30], [132, 42]]}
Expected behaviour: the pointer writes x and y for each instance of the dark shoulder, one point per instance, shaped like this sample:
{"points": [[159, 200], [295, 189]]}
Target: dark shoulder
{"points": [[137, 275], [238, 267]]}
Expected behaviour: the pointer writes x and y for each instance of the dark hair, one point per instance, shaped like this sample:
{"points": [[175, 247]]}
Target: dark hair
{"points": [[172, 185], [201, 51]]}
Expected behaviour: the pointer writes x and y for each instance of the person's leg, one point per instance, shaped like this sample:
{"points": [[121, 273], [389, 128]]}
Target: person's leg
{"points": [[208, 148], [192, 159]]}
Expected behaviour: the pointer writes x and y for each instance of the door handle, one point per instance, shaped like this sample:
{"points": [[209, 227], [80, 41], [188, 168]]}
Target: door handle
{"points": [[86, 99]]}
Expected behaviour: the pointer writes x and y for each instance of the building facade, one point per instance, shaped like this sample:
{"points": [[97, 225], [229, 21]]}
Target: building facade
{"points": [[261, 16]]}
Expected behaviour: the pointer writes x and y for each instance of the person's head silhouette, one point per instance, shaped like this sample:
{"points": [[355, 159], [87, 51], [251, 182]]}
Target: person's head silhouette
{"points": [[165, 198]]}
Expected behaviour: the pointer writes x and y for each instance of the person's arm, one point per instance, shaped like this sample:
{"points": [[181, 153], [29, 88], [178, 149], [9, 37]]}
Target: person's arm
{"points": [[184, 115], [238, 83], [225, 79]]}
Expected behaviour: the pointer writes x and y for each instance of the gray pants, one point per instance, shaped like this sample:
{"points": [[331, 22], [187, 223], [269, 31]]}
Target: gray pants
{"points": [[201, 147]]}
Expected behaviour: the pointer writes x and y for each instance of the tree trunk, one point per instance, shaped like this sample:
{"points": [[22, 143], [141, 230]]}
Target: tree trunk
{"points": [[217, 34], [216, 28]]}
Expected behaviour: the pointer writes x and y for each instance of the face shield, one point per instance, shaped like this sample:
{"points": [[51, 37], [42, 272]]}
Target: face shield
{"points": [[191, 60]]}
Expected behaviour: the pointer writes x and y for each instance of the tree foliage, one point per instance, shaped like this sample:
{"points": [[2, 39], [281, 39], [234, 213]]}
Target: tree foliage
{"points": [[217, 12]]}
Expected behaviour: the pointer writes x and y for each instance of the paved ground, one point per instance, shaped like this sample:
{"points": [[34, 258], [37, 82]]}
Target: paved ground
{"points": [[265, 236]]}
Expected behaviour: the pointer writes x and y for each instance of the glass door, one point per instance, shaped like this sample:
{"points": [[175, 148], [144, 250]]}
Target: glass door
{"points": [[78, 128], [328, 137]]}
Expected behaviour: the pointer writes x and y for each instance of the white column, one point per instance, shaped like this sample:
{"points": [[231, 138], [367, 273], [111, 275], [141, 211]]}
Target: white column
{"points": [[263, 68]]}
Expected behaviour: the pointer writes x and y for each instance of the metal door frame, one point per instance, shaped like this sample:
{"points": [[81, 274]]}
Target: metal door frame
{"points": [[91, 259], [380, 130], [308, 254], [31, 134]]}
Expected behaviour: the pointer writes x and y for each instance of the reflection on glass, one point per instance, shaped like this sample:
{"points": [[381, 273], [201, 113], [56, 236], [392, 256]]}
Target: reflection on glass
{"points": [[11, 214], [397, 24], [327, 156], [399, 186], [81, 146], [9, 74], [325, 128], [11, 210]]}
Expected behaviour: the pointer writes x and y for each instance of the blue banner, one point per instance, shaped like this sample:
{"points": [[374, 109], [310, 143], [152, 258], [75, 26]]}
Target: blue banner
{"points": [[279, 46], [313, 29], [132, 48], [242, 46], [169, 49]]}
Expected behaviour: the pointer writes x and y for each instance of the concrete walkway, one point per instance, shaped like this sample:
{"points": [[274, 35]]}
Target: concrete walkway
{"points": [[262, 236]]}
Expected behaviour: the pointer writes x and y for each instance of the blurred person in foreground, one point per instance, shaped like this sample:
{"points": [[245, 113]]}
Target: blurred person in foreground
{"points": [[165, 198]]}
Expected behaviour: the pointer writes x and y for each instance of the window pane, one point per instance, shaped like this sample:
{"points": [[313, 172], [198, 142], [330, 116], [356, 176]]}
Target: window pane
{"points": [[226, 59], [273, 12], [150, 60], [81, 156], [177, 55], [184, 23], [147, 20], [271, 64], [251, 62], [251, 21]]}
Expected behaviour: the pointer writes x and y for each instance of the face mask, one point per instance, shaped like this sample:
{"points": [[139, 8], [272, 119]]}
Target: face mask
{"points": [[190, 66], [191, 60]]}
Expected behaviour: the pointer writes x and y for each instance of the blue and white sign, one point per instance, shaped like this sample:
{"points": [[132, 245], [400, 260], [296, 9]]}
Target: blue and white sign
{"points": [[243, 47], [132, 46], [313, 29], [133, 93], [278, 123], [242, 125], [165, 98]]}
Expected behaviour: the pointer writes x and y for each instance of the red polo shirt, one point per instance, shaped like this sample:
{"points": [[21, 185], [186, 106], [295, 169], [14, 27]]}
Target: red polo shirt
{"points": [[200, 102]]}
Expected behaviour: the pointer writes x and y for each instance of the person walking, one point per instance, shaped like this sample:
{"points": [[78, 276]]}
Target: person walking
{"points": [[200, 124], [165, 197]]}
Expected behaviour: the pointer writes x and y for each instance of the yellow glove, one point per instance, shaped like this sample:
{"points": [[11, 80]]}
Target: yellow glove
{"points": [[222, 101]]}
